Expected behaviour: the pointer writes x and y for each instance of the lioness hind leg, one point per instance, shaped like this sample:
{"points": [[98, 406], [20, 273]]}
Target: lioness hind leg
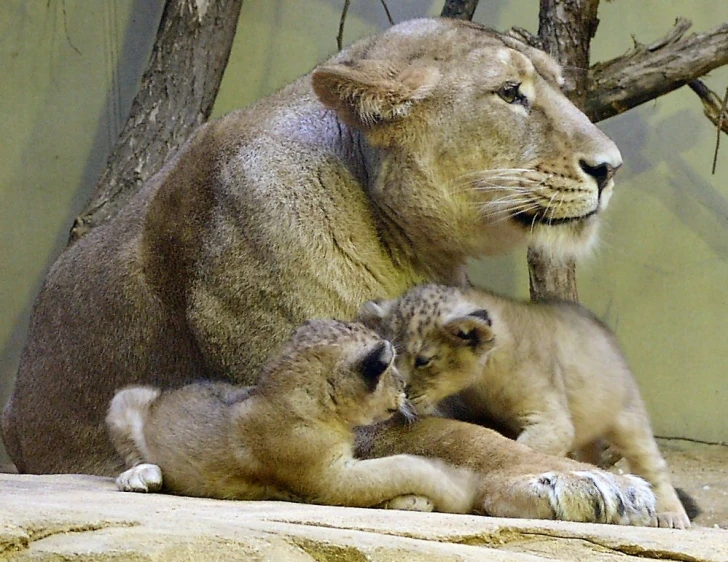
{"points": [[632, 436], [590, 496], [143, 477], [409, 502]]}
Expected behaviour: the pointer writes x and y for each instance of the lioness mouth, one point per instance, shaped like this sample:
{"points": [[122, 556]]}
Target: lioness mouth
{"points": [[539, 217]]}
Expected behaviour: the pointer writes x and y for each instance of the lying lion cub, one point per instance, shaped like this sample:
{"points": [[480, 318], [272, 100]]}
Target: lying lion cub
{"points": [[290, 437], [551, 372]]}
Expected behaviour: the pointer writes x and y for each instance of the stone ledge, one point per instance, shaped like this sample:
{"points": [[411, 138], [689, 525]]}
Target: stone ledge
{"points": [[73, 517]]}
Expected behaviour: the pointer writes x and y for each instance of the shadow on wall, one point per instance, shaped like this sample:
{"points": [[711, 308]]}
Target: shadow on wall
{"points": [[697, 203], [126, 58]]}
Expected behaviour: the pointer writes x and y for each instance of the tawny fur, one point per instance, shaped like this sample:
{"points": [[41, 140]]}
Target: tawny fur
{"points": [[289, 437], [550, 372], [389, 165]]}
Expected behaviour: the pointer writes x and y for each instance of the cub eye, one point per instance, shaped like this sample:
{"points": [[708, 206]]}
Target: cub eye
{"points": [[421, 361], [510, 93]]}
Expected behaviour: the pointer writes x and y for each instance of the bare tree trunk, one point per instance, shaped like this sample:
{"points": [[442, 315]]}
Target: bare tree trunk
{"points": [[459, 9], [565, 29], [176, 96]]}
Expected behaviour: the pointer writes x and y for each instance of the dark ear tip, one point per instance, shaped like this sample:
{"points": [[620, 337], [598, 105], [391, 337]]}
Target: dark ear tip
{"points": [[376, 362], [483, 315]]}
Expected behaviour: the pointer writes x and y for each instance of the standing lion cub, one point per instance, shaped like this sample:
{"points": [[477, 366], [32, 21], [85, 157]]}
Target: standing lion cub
{"points": [[551, 372], [290, 437]]}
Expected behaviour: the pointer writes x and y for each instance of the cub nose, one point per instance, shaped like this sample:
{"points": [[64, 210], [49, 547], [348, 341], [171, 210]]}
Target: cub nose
{"points": [[601, 171]]}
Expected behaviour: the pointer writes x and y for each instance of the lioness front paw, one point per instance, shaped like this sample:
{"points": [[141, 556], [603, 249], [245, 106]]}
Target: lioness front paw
{"points": [[409, 502], [143, 477], [598, 497]]}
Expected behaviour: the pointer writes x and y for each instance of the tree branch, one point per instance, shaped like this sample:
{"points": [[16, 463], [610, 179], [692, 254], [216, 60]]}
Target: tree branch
{"points": [[386, 10], [649, 71], [459, 9], [566, 28], [175, 97]]}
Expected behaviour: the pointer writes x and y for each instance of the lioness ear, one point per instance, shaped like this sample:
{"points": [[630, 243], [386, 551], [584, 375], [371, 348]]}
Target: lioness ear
{"points": [[472, 331], [373, 314], [372, 91]]}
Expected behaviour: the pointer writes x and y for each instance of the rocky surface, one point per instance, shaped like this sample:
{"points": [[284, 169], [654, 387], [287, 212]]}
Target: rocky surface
{"points": [[84, 518]]}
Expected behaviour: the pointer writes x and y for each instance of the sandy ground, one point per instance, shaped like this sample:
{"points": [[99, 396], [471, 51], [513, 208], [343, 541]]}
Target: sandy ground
{"points": [[699, 469], [702, 471]]}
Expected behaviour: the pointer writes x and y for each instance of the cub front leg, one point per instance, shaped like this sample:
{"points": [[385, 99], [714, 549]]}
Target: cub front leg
{"points": [[548, 431], [399, 481], [632, 436], [409, 502]]}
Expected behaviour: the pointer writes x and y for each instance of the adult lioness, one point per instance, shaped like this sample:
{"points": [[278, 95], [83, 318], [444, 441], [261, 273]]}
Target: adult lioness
{"points": [[388, 166]]}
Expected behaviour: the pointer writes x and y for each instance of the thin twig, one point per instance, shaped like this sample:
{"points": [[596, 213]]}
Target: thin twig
{"points": [[386, 9], [342, 21], [713, 110], [65, 28], [719, 127]]}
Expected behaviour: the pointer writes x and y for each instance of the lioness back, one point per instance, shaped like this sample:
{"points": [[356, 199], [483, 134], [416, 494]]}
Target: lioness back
{"points": [[389, 165]]}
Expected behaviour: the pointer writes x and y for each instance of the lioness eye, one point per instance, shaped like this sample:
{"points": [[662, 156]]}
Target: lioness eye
{"points": [[510, 93], [421, 361]]}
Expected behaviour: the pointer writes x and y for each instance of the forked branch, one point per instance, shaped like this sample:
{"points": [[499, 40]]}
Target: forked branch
{"points": [[649, 71]]}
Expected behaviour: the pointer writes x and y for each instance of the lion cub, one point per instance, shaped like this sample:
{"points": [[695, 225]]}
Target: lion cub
{"points": [[550, 372], [290, 437]]}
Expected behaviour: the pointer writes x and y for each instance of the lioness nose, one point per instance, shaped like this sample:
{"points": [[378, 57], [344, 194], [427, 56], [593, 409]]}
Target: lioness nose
{"points": [[602, 171]]}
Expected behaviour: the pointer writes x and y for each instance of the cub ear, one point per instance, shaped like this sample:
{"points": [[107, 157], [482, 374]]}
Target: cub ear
{"points": [[375, 363], [373, 91], [473, 330], [374, 314]]}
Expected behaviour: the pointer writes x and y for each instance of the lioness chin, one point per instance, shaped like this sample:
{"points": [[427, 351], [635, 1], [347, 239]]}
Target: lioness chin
{"points": [[389, 165]]}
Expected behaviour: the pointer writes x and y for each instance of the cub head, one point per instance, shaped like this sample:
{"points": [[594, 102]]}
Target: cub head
{"points": [[344, 368], [478, 148], [442, 341]]}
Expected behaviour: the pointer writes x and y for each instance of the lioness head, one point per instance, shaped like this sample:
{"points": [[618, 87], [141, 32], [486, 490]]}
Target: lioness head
{"points": [[343, 368], [442, 340], [478, 147]]}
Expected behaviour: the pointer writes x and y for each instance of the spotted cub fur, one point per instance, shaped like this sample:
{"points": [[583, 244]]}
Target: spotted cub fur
{"points": [[551, 372], [290, 437]]}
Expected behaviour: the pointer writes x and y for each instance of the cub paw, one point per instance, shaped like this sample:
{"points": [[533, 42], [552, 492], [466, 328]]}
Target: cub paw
{"points": [[143, 477], [598, 497], [409, 502], [673, 520]]}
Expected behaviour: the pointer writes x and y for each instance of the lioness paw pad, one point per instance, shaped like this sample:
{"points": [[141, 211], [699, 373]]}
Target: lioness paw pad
{"points": [[143, 477]]}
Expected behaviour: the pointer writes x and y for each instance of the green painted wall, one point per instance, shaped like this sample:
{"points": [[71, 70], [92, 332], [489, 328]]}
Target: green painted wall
{"points": [[70, 69]]}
